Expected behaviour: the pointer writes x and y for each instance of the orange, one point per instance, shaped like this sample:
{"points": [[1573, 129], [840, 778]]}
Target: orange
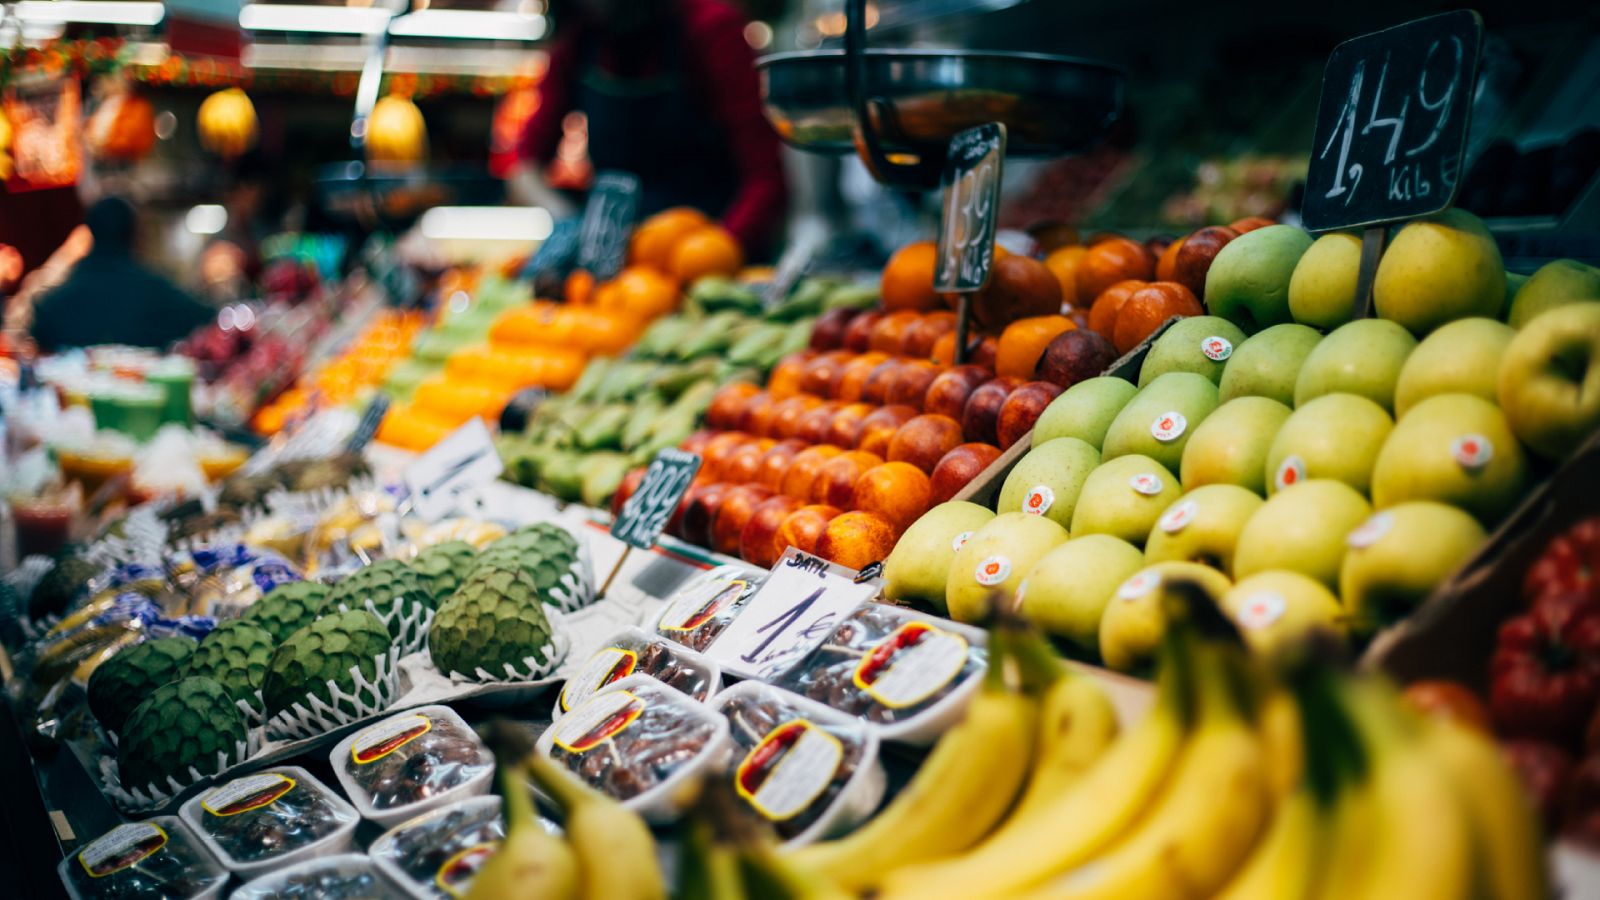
{"points": [[1023, 342], [578, 287], [1147, 308], [1063, 263], [655, 238], [709, 250], [1169, 259], [1103, 315], [784, 382], [857, 539], [1110, 261], [907, 282], [640, 291], [1019, 287], [898, 491]]}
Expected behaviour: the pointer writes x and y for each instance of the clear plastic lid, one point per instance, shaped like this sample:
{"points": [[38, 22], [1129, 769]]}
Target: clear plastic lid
{"points": [[270, 819], [411, 762], [347, 876], [634, 652], [158, 857], [436, 855], [697, 613], [889, 666]]}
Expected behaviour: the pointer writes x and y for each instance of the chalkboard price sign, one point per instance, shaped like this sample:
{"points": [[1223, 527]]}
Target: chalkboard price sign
{"points": [[1392, 123], [971, 205], [367, 427], [607, 220], [657, 498]]}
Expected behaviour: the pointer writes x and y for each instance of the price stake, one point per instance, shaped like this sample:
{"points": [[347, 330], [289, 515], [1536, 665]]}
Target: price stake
{"points": [[971, 206], [1391, 130], [646, 513], [607, 219], [367, 428], [804, 599], [791, 265], [465, 459]]}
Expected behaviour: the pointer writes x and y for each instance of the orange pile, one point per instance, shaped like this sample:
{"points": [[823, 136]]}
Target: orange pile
{"points": [[362, 366]]}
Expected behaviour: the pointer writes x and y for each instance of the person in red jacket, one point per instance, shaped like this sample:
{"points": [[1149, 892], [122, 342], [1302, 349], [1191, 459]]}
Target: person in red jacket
{"points": [[671, 95]]}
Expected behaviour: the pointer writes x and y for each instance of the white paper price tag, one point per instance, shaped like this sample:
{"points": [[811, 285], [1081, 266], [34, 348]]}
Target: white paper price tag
{"points": [[464, 460], [803, 600]]}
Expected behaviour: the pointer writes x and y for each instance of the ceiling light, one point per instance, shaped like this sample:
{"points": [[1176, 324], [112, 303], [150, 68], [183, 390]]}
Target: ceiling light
{"points": [[107, 12], [487, 223], [207, 218], [469, 24], [319, 19]]}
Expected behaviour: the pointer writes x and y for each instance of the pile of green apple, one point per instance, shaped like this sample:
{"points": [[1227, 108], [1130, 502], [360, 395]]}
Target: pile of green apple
{"points": [[1312, 469]]}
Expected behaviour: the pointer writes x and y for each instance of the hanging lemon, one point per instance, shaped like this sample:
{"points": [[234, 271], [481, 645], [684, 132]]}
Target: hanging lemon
{"points": [[227, 123], [396, 132]]}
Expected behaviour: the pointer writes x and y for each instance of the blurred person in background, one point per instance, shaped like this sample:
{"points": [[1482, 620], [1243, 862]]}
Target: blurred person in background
{"points": [[670, 94], [110, 297]]}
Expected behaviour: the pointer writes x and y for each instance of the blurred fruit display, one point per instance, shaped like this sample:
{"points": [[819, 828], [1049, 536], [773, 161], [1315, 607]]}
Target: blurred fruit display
{"points": [[227, 123]]}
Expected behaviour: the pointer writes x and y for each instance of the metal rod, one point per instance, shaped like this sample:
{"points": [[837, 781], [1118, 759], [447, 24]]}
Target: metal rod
{"points": [[1371, 250], [626, 549]]}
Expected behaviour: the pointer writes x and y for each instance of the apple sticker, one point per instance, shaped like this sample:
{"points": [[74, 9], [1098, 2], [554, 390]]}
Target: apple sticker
{"points": [[1261, 610], [1039, 500], [992, 570], [1291, 471], [1472, 451], [1371, 531], [1146, 483], [1139, 585], [1168, 427], [1216, 348], [1173, 520], [960, 540]]}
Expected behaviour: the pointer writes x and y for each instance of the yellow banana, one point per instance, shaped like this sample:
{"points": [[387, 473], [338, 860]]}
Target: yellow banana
{"points": [[1509, 849], [964, 787], [1065, 829], [530, 862], [616, 852], [1285, 863], [1203, 825], [1281, 730], [1351, 843], [1076, 724]]}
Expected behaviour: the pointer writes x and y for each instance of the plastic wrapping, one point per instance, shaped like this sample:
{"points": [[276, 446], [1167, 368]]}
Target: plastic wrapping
{"points": [[697, 613], [222, 581], [637, 740], [348, 876], [270, 819], [809, 770], [159, 857], [906, 673], [410, 763], [631, 652], [435, 856]]}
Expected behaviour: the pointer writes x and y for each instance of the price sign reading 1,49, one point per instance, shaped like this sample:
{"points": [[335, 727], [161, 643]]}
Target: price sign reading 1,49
{"points": [[971, 201], [1392, 123], [607, 218]]}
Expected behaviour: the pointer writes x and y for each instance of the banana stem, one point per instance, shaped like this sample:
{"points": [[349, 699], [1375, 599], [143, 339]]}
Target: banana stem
{"points": [[1033, 662], [1334, 754], [514, 799]]}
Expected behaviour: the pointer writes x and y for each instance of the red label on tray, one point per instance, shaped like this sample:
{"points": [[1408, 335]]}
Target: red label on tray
{"points": [[691, 612], [789, 769], [244, 794], [121, 847], [910, 664], [386, 737], [455, 876], [606, 666], [597, 720]]}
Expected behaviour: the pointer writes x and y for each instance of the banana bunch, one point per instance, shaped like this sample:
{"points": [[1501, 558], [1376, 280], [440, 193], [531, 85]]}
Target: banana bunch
{"points": [[607, 852], [728, 853], [1239, 783]]}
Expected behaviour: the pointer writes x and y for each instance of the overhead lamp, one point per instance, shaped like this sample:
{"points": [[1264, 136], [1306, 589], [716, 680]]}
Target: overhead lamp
{"points": [[207, 218], [469, 24], [486, 223], [100, 12], [318, 19]]}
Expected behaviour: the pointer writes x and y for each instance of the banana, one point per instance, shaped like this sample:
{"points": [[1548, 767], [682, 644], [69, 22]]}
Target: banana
{"points": [[1285, 864], [1283, 733], [1076, 724], [1066, 828], [1509, 849], [1351, 843], [1421, 845], [1204, 824], [616, 852], [530, 862], [961, 791], [708, 868]]}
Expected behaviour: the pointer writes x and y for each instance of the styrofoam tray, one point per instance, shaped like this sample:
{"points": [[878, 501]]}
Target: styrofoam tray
{"points": [[269, 887], [335, 842], [477, 783]]}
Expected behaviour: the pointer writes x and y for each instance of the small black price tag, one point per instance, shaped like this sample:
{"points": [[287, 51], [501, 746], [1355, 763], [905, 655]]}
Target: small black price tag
{"points": [[971, 206], [367, 428], [556, 255], [607, 220], [657, 498], [1392, 123]]}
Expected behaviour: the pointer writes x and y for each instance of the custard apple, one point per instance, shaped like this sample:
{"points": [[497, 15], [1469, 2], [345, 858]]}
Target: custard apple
{"points": [[495, 619], [547, 552], [326, 650], [125, 680], [189, 722], [287, 609], [443, 566], [235, 655], [397, 595]]}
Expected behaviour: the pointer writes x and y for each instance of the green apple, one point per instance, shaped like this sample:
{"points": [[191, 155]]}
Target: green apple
{"points": [[1085, 410], [1335, 436], [1557, 283], [1550, 379], [1277, 609], [1157, 422], [1124, 497], [1460, 357], [1248, 282], [1202, 526], [1230, 446], [1047, 480], [1456, 449], [1438, 269], [1322, 291], [1301, 528], [1363, 357], [1396, 558], [1068, 588], [1267, 364], [1514, 283], [994, 559], [919, 564], [1198, 344], [1134, 623]]}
